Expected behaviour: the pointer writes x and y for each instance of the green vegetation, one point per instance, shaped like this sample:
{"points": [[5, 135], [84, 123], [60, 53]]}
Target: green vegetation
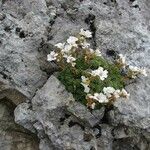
{"points": [[71, 77], [92, 80]]}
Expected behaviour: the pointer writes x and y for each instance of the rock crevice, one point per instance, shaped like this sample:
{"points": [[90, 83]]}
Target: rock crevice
{"points": [[29, 29]]}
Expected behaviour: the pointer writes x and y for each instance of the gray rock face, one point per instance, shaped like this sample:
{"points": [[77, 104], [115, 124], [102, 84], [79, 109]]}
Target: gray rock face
{"points": [[21, 31], [52, 121], [135, 111], [24, 116], [83, 114], [13, 136], [21, 37], [51, 96], [28, 31]]}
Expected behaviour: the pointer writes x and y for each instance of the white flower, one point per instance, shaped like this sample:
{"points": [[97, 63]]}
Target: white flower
{"points": [[52, 56], [100, 72], [71, 60], [73, 64], [134, 69], [121, 60], [67, 48], [91, 50], [86, 88], [85, 33], [108, 91], [85, 44], [72, 41], [98, 53], [93, 105], [60, 45], [100, 97], [116, 94], [89, 96], [124, 93], [85, 80], [85, 83]]}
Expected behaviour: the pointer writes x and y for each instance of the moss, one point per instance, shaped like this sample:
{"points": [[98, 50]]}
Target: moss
{"points": [[71, 78]]}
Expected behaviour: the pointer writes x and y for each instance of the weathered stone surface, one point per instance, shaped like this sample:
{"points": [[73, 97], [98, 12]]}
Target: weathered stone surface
{"points": [[28, 31], [52, 121], [105, 141], [22, 30], [24, 116], [135, 111], [49, 106], [83, 114], [51, 96], [13, 136], [19, 43]]}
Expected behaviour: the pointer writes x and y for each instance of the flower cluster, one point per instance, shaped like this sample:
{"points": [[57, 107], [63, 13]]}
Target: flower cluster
{"points": [[87, 75], [100, 72], [131, 71], [109, 94], [65, 51]]}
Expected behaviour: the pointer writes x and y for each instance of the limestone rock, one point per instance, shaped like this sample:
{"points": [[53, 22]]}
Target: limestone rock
{"points": [[29, 29], [13, 136], [134, 111], [84, 115], [51, 96], [24, 116], [52, 121], [19, 43], [49, 105]]}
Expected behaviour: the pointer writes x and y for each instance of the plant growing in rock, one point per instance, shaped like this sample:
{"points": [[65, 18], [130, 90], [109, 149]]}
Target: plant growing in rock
{"points": [[93, 80]]}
